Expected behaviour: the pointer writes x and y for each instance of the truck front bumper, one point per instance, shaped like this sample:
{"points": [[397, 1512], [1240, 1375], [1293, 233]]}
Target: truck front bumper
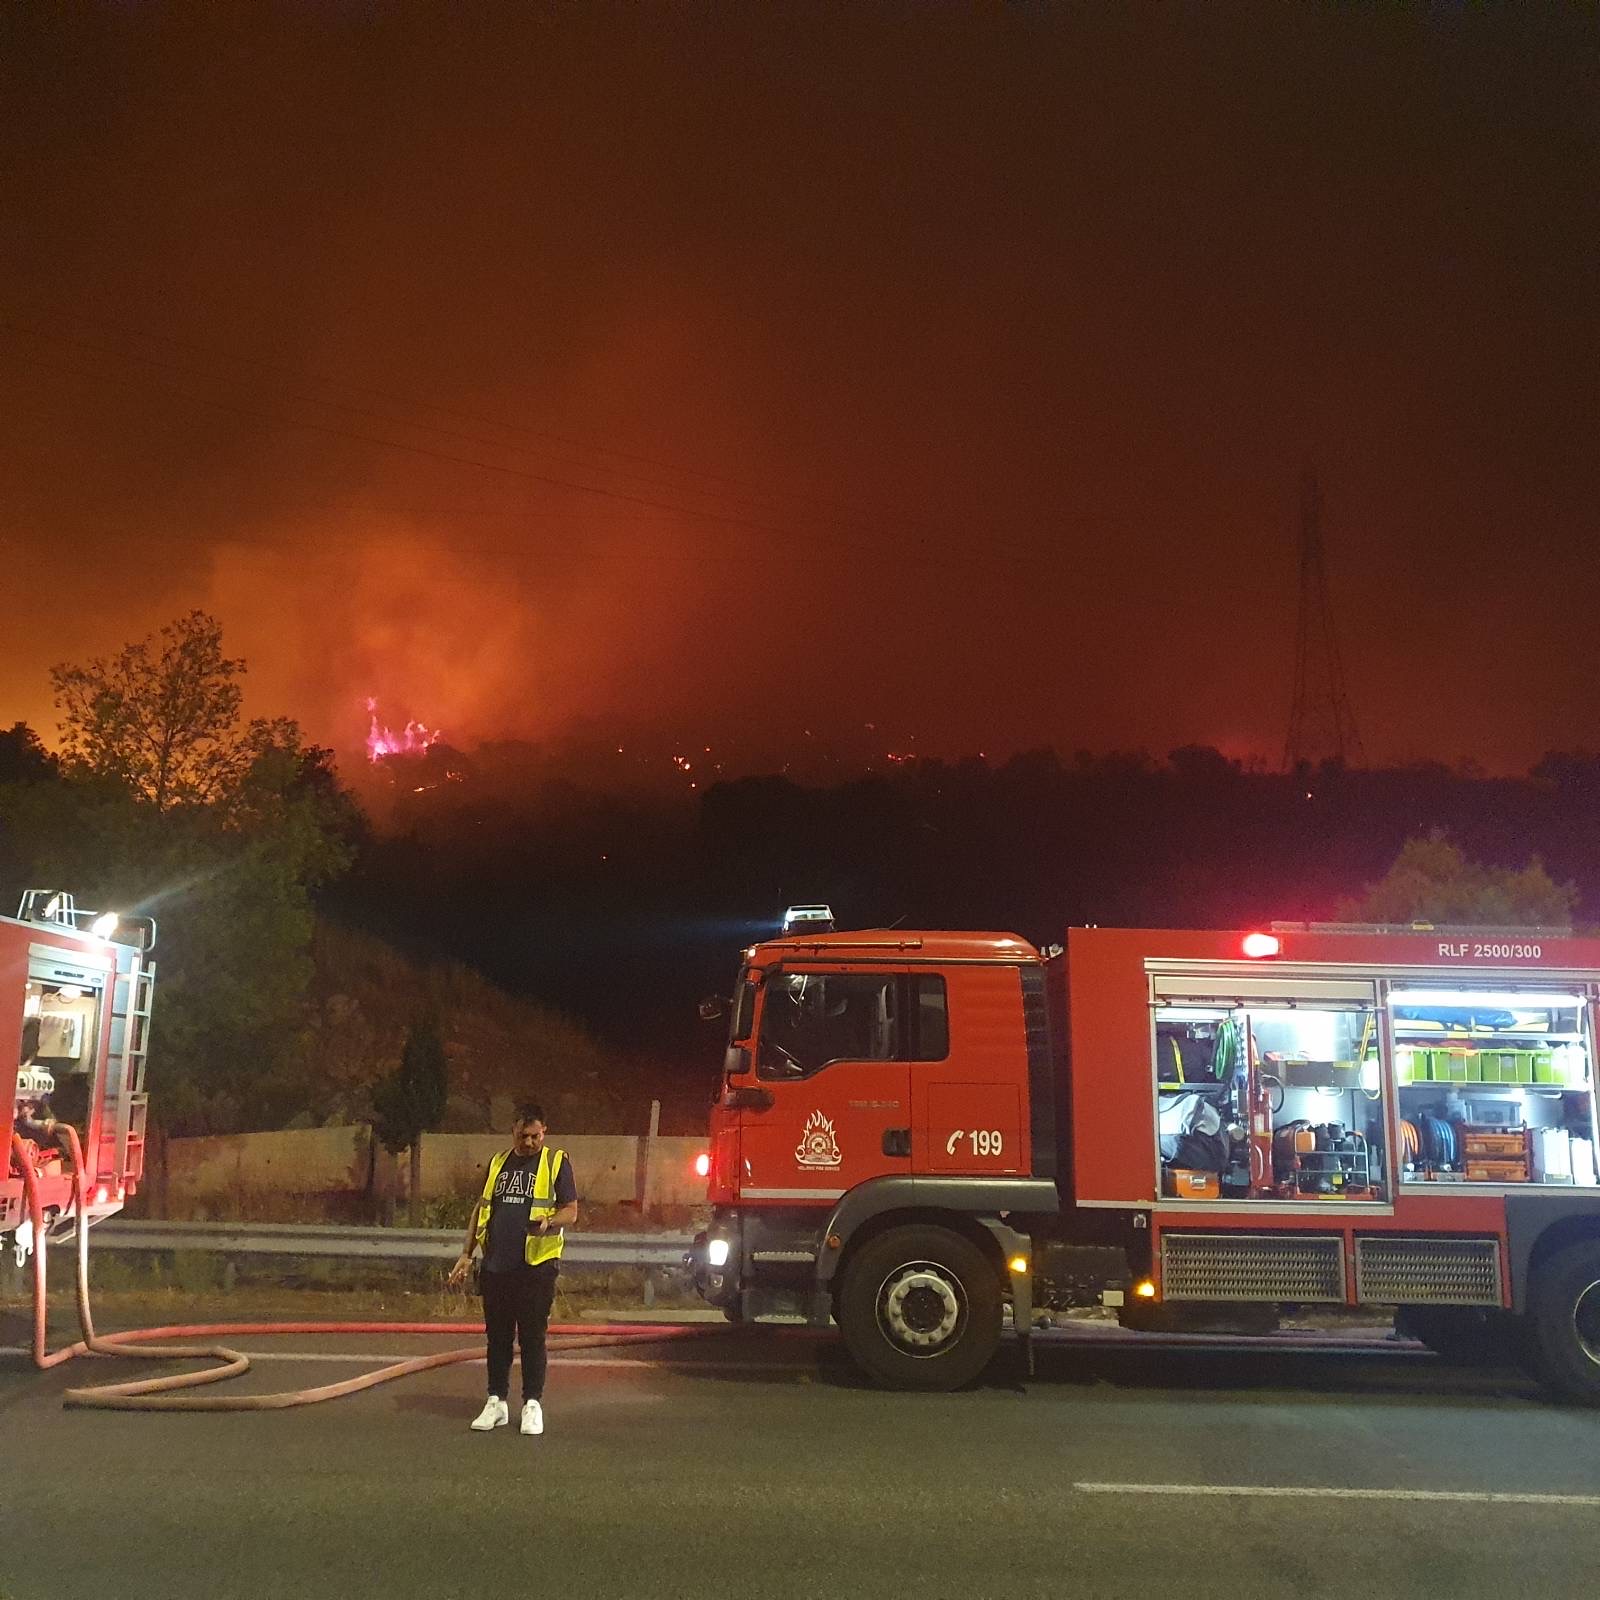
{"points": [[712, 1261]]}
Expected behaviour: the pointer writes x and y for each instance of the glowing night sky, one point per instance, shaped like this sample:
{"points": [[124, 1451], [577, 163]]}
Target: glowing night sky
{"points": [[951, 370]]}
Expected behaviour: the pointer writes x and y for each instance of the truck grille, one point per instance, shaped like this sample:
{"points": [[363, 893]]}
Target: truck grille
{"points": [[1232, 1266], [1428, 1272]]}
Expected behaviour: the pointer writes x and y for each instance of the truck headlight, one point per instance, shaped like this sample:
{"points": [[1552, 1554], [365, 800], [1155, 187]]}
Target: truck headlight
{"points": [[717, 1252]]}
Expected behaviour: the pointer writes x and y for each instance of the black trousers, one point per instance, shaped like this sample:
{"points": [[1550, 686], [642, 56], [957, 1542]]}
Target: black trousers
{"points": [[516, 1307]]}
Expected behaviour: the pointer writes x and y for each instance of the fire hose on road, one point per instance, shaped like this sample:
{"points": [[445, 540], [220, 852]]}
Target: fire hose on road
{"points": [[158, 1394]]}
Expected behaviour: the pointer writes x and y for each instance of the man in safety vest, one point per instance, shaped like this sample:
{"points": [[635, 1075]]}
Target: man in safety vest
{"points": [[528, 1195]]}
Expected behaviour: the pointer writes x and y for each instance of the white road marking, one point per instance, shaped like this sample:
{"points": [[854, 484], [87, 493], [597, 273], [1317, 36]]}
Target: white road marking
{"points": [[1328, 1492]]}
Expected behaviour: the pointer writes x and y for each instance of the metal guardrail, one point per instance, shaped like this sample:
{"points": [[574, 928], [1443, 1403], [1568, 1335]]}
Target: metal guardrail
{"points": [[371, 1244]]}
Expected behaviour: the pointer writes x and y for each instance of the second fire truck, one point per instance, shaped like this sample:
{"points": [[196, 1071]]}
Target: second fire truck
{"points": [[915, 1131], [75, 993]]}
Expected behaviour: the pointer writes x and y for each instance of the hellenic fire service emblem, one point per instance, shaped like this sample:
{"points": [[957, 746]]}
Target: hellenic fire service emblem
{"points": [[818, 1147]]}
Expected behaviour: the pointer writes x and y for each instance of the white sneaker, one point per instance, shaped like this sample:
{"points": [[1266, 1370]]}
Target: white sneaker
{"points": [[533, 1417], [495, 1414]]}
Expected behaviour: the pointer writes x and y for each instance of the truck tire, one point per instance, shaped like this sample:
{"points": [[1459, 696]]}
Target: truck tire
{"points": [[1465, 1336], [920, 1308], [1564, 1323]]}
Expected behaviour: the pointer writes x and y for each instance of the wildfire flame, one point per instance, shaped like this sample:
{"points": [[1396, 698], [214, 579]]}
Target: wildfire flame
{"points": [[411, 740]]}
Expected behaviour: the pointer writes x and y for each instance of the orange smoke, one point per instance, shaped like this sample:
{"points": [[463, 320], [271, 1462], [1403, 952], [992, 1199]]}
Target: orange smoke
{"points": [[484, 641]]}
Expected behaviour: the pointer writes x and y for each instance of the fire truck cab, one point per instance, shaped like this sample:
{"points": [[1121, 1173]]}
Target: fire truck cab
{"points": [[914, 1129], [75, 993]]}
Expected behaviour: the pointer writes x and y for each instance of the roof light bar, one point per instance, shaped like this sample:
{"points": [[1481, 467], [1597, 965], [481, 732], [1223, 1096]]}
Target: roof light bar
{"points": [[810, 919]]}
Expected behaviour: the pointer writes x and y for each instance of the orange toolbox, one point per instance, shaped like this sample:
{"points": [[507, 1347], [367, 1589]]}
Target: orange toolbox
{"points": [[1188, 1184], [1496, 1171], [1496, 1144]]}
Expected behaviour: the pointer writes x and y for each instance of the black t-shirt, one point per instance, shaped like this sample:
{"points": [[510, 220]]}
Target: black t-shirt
{"points": [[505, 1250]]}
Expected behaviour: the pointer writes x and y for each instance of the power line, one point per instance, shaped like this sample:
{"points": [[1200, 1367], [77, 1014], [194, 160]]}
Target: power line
{"points": [[802, 541], [284, 368], [99, 348], [326, 429], [759, 499]]}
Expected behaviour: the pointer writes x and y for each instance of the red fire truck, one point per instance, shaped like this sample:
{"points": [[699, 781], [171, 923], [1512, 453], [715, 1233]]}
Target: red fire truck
{"points": [[913, 1129], [75, 992]]}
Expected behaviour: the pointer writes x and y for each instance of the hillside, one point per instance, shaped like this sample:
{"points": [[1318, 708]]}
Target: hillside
{"points": [[365, 994]]}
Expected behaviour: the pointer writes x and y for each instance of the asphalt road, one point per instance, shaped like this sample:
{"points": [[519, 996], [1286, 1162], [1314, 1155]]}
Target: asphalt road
{"points": [[753, 1464]]}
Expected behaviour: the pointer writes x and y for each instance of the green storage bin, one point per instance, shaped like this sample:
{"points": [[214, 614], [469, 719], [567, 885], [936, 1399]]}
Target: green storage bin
{"points": [[1544, 1066], [1522, 1063], [1568, 1070], [1474, 1066], [1492, 1066], [1405, 1066]]}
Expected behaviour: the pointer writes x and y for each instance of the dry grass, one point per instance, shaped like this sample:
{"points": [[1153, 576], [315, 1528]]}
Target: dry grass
{"points": [[195, 1287], [259, 1203]]}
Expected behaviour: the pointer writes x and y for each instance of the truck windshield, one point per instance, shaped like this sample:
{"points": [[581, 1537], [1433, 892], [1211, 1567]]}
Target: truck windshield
{"points": [[813, 1018]]}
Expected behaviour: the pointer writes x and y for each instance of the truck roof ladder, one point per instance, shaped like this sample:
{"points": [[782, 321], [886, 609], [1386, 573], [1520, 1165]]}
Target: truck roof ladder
{"points": [[133, 990]]}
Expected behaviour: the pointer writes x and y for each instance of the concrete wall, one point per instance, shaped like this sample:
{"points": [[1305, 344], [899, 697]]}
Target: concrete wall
{"points": [[673, 1180], [610, 1168], [294, 1161], [606, 1165]]}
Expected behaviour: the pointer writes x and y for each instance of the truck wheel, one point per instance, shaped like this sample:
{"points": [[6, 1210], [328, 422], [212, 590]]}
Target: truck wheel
{"points": [[1465, 1336], [920, 1309], [1564, 1323]]}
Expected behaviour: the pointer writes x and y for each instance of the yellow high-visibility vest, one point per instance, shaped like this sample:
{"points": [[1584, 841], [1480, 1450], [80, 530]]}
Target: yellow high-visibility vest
{"points": [[540, 1246]]}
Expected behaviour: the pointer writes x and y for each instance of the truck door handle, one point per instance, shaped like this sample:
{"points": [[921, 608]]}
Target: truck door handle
{"points": [[897, 1141]]}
